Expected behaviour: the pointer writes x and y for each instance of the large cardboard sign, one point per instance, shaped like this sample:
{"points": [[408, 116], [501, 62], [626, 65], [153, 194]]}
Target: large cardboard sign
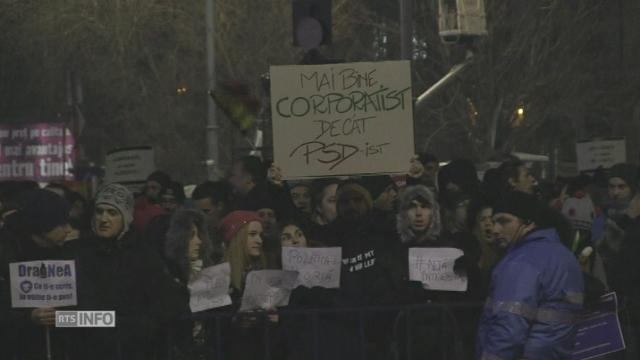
{"points": [[342, 119], [41, 152]]}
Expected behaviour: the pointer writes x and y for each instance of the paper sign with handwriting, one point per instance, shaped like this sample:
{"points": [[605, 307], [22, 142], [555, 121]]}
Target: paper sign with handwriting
{"points": [[268, 289], [433, 267], [316, 266], [353, 118], [210, 288]]}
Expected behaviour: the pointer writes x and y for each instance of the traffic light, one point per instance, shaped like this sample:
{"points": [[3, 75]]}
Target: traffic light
{"points": [[311, 23]]}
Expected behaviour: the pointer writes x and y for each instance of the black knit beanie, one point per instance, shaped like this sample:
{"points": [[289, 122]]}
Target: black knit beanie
{"points": [[43, 211], [522, 205], [161, 178], [626, 172]]}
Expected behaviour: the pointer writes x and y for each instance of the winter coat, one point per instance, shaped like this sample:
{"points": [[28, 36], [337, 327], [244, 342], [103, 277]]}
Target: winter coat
{"points": [[625, 274], [128, 277], [24, 338], [432, 330], [536, 293], [144, 212], [364, 281]]}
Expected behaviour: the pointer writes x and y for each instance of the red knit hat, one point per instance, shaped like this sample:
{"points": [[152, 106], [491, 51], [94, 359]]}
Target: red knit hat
{"points": [[233, 222]]}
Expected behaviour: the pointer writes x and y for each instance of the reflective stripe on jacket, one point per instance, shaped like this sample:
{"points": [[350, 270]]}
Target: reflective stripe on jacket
{"points": [[536, 297]]}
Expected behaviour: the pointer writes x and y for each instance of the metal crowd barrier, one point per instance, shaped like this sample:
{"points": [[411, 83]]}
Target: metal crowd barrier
{"points": [[402, 326]]}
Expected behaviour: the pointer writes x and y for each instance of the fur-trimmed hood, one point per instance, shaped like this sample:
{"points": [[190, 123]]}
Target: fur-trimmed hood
{"points": [[403, 225]]}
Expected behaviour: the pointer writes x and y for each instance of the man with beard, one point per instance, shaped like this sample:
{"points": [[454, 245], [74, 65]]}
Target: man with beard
{"points": [[609, 231], [618, 245]]}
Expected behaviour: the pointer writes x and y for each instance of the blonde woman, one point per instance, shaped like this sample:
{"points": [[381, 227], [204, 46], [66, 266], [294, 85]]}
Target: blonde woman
{"points": [[242, 232]]}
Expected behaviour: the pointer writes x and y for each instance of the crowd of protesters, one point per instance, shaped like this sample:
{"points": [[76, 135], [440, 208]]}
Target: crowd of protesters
{"points": [[534, 254]]}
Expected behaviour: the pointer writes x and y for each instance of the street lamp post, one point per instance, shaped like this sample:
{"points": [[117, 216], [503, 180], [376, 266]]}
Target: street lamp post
{"points": [[212, 129]]}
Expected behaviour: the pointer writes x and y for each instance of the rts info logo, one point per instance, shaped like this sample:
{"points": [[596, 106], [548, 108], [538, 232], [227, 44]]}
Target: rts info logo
{"points": [[85, 318]]}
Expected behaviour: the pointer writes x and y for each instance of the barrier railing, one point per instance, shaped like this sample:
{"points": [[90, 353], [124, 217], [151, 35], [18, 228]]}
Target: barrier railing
{"points": [[445, 331]]}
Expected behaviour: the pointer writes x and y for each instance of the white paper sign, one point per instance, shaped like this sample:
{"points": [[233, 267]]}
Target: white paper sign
{"points": [[605, 153], [433, 267], [268, 289], [316, 266], [353, 118], [210, 288], [46, 283], [129, 165]]}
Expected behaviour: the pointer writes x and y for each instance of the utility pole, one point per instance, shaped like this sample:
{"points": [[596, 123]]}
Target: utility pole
{"points": [[213, 152], [406, 29]]}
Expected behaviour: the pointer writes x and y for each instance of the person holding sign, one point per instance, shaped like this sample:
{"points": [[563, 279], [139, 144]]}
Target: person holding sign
{"points": [[419, 228], [536, 291], [187, 251], [242, 233], [295, 328], [39, 232]]}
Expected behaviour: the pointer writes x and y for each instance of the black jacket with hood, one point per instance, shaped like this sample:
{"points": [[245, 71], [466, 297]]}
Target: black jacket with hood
{"points": [[428, 325]]}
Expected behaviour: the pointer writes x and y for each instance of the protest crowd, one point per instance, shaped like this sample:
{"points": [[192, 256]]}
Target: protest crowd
{"points": [[531, 255]]}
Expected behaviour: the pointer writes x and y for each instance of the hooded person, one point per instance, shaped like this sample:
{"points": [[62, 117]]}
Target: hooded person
{"points": [[419, 226], [120, 273], [537, 288]]}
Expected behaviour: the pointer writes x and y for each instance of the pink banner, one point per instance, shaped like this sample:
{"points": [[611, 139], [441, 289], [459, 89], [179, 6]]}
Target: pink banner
{"points": [[40, 152]]}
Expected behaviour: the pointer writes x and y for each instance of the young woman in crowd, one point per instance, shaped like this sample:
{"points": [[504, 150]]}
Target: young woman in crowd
{"points": [[186, 251], [242, 231], [298, 336]]}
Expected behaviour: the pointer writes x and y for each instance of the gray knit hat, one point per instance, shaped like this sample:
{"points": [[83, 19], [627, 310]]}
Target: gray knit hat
{"points": [[120, 198]]}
